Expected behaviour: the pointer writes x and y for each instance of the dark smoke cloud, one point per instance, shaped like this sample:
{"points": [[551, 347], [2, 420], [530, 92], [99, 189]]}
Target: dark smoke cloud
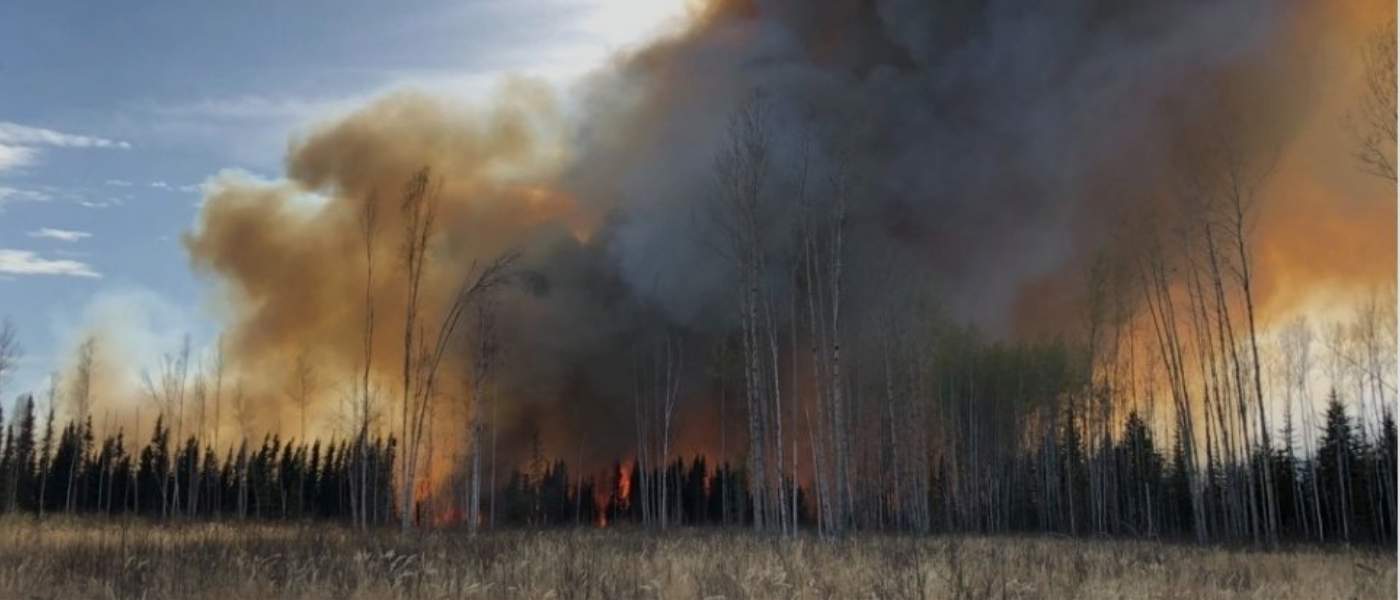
{"points": [[999, 138]]}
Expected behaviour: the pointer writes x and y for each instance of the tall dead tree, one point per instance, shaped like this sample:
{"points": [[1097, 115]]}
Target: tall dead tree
{"points": [[657, 367], [167, 390], [300, 392], [45, 457], [1162, 308], [673, 359], [487, 352], [822, 252], [1296, 351], [199, 396], [10, 353], [1234, 389], [1300, 342], [902, 354], [1371, 361], [80, 394], [217, 396], [423, 354], [742, 172], [361, 411], [1211, 334], [419, 208], [1242, 178], [243, 415]]}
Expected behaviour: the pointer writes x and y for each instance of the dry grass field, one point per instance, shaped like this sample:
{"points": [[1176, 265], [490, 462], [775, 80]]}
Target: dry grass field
{"points": [[87, 559]]}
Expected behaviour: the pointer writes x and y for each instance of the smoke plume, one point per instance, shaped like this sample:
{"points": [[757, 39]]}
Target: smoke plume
{"points": [[996, 146]]}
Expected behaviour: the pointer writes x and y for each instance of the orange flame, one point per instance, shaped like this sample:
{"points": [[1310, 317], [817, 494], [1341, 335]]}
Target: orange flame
{"points": [[623, 492]]}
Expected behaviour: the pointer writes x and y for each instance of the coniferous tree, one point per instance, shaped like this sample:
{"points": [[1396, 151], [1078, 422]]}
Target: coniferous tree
{"points": [[1336, 461]]}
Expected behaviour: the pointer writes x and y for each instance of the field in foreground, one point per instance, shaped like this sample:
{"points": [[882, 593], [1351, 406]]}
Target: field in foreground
{"points": [[101, 559]]}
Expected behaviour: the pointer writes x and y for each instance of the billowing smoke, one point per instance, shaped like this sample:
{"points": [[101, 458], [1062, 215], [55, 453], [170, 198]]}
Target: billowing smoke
{"points": [[995, 146]]}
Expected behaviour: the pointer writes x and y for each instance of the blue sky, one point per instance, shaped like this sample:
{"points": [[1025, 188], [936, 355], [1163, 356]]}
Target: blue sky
{"points": [[112, 114]]}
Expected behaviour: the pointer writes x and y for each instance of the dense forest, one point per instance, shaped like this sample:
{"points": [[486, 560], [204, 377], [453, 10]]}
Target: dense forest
{"points": [[1135, 484]]}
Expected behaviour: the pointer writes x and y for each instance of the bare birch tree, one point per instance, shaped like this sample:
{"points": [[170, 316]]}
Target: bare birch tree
{"points": [[822, 251], [487, 349], [1242, 177], [217, 395], [1373, 122], [300, 392], [167, 390], [362, 409], [422, 354], [80, 393], [243, 415], [10, 353], [742, 172]]}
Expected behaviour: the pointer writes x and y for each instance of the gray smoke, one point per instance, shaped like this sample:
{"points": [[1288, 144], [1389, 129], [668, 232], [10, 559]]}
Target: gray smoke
{"points": [[995, 145]]}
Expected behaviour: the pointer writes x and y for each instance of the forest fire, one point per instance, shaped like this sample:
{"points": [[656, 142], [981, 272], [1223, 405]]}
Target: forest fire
{"points": [[622, 491], [704, 299], [513, 178], [450, 513], [854, 265]]}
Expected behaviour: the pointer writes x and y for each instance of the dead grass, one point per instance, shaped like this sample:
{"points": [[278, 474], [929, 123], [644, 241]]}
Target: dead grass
{"points": [[133, 559]]}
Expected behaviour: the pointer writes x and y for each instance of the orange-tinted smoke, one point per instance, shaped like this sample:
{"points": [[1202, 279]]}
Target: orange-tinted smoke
{"points": [[1321, 228], [289, 256]]}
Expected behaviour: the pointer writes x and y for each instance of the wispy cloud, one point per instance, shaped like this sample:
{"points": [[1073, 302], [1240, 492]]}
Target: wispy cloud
{"points": [[118, 183], [167, 186], [19, 144], [106, 203], [15, 156], [24, 262], [63, 235], [9, 194], [253, 107], [23, 135]]}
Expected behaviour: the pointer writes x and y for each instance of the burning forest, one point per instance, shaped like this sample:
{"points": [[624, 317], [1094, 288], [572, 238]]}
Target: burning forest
{"points": [[1084, 268]]}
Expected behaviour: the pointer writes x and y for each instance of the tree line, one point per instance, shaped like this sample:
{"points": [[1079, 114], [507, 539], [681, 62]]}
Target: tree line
{"points": [[44, 470], [1330, 496]]}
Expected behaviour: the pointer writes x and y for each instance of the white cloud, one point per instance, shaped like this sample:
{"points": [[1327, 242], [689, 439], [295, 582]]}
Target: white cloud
{"points": [[12, 157], [161, 184], [63, 235], [24, 262], [9, 194], [23, 135], [118, 183], [19, 144], [107, 203], [253, 107]]}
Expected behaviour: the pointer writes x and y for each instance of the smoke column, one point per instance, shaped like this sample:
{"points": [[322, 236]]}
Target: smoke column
{"points": [[996, 145]]}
